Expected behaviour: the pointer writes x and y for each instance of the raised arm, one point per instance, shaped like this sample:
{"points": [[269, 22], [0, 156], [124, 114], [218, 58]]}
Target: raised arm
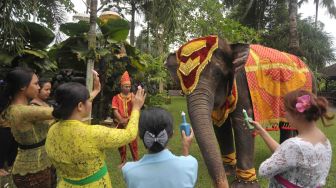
{"points": [[109, 137], [270, 142], [32, 113]]}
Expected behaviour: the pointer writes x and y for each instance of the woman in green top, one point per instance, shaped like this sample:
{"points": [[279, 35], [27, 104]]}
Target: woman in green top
{"points": [[31, 167]]}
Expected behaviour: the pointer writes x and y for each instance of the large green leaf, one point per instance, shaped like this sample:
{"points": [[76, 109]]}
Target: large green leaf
{"points": [[35, 34], [103, 52], [35, 59], [135, 57], [38, 53], [138, 64], [72, 53], [114, 30], [6, 58], [75, 29]]}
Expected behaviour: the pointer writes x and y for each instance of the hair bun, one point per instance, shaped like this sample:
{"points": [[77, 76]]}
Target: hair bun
{"points": [[322, 104]]}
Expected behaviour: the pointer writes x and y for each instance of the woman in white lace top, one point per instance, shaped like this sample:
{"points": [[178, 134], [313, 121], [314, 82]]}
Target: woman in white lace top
{"points": [[302, 161]]}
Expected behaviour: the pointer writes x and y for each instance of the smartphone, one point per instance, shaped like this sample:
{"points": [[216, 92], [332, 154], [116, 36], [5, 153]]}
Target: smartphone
{"points": [[247, 120]]}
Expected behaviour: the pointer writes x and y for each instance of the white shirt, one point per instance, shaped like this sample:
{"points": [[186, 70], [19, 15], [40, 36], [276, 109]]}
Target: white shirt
{"points": [[300, 162]]}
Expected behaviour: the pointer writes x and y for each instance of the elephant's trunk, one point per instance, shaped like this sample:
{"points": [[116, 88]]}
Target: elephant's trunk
{"points": [[200, 104]]}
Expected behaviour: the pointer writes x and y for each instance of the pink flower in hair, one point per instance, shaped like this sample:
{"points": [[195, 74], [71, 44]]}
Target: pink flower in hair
{"points": [[303, 103]]}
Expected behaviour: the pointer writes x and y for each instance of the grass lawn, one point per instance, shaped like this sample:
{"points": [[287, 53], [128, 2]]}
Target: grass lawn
{"points": [[261, 153]]}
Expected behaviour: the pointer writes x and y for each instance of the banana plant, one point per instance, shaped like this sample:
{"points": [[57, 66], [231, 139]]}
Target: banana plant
{"points": [[113, 54], [34, 53]]}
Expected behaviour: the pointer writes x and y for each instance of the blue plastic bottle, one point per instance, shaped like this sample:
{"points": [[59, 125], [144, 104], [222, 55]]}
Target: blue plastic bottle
{"points": [[184, 125]]}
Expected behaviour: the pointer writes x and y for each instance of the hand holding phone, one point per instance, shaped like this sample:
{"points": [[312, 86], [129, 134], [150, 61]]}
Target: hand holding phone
{"points": [[247, 120]]}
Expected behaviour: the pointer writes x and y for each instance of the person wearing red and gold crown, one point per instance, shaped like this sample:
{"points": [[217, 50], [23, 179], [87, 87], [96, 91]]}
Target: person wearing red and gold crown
{"points": [[122, 108]]}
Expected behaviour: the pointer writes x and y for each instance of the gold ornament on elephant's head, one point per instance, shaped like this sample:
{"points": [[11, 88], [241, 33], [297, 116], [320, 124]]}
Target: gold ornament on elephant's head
{"points": [[186, 68], [192, 58]]}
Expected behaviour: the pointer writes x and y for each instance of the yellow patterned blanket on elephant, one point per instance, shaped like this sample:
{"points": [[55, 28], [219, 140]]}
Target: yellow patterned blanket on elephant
{"points": [[270, 75]]}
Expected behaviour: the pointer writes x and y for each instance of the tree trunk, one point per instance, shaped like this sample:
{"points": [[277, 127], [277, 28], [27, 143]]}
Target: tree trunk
{"points": [[249, 5], [88, 3], [101, 112], [317, 2], [132, 35], [161, 86], [148, 37], [293, 34], [92, 44]]}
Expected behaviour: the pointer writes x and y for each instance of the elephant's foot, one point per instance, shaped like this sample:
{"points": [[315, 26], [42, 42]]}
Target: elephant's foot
{"points": [[245, 184], [230, 170]]}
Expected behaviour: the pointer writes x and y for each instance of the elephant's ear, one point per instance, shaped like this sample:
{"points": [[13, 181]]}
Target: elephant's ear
{"points": [[240, 53], [172, 66]]}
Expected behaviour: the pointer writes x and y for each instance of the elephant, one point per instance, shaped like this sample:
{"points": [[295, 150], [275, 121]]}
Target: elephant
{"points": [[209, 88]]}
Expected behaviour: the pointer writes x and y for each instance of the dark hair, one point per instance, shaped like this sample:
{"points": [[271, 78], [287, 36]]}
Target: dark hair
{"points": [[318, 106], [67, 97], [15, 80], [154, 120], [43, 81]]}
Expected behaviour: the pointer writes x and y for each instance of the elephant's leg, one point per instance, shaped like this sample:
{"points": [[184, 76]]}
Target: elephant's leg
{"points": [[244, 141], [224, 136]]}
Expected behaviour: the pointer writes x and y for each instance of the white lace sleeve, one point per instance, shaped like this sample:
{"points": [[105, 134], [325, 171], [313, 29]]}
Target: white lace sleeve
{"points": [[285, 157]]}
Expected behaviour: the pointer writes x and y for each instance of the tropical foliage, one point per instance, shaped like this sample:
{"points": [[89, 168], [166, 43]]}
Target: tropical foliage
{"points": [[113, 55], [48, 12], [34, 53]]}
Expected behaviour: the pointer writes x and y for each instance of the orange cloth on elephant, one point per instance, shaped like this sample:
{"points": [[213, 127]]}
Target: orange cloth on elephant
{"points": [[220, 115], [271, 74]]}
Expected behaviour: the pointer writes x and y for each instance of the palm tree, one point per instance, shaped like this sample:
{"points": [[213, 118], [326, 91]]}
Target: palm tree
{"points": [[294, 44], [161, 17], [92, 43], [293, 6], [329, 4]]}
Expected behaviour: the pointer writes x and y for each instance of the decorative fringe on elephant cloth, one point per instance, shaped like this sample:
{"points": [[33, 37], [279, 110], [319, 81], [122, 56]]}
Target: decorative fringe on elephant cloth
{"points": [[192, 58], [246, 175], [230, 159], [271, 74], [220, 115]]}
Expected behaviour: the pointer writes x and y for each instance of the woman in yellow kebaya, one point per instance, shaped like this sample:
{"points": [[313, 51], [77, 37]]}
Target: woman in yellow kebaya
{"points": [[75, 148], [32, 167]]}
